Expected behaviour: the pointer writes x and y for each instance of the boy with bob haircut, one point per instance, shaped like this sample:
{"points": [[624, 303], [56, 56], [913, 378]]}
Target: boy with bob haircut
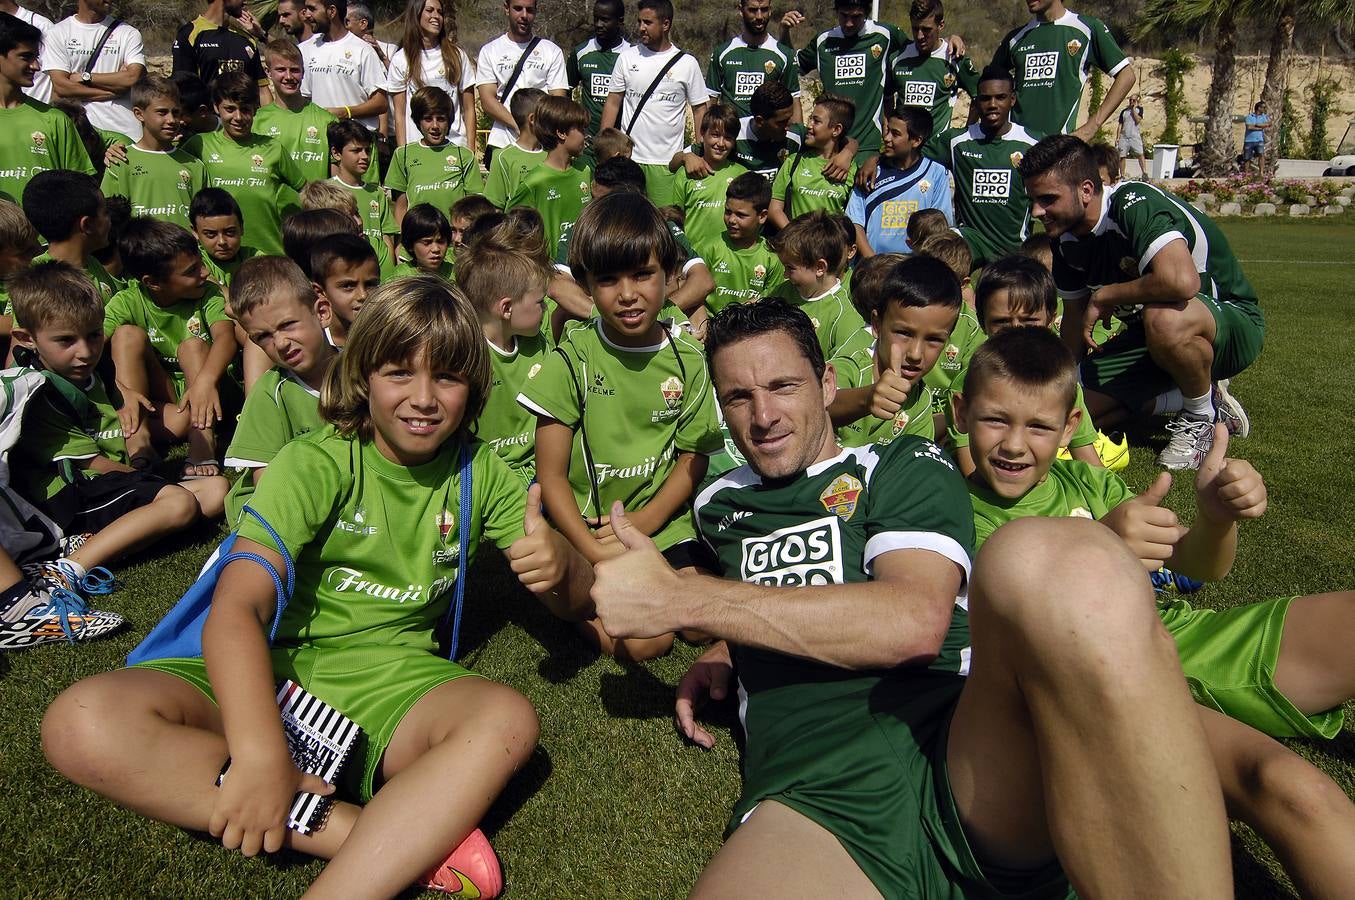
{"points": [[350, 150], [432, 169], [70, 212], [558, 187], [703, 199], [507, 287], [510, 164], [813, 252], [171, 341], [72, 460], [343, 271], [426, 234], [882, 391], [219, 226], [277, 307], [157, 177], [741, 261], [800, 185], [624, 406], [1277, 667]]}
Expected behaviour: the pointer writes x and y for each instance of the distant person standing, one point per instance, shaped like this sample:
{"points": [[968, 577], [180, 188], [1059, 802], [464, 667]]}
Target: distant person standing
{"points": [[514, 60], [213, 43], [1254, 138], [1128, 138], [741, 64], [590, 64], [430, 57], [652, 85], [94, 58], [292, 20], [343, 72], [360, 21], [41, 88]]}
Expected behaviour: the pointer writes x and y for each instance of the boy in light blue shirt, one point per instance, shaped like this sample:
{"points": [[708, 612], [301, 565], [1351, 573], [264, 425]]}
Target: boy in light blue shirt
{"points": [[905, 183]]}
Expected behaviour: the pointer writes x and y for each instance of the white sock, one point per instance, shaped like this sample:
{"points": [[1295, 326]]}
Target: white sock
{"points": [[79, 570], [1200, 407], [1169, 403]]}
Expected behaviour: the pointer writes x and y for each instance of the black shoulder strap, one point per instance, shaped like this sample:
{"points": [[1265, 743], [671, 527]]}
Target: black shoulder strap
{"points": [[790, 176], [99, 47], [653, 86], [517, 70]]}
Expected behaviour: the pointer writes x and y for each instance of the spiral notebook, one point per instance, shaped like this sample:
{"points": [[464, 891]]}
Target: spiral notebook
{"points": [[320, 739]]}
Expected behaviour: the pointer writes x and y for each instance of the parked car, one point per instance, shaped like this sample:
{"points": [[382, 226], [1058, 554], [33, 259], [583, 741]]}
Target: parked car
{"points": [[1343, 163]]}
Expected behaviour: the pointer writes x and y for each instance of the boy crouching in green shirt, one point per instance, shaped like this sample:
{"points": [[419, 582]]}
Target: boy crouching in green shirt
{"points": [[71, 460], [277, 307], [1279, 667]]}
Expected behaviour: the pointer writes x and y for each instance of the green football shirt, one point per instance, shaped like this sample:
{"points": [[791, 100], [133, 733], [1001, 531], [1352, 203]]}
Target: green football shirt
{"points": [[57, 435], [376, 544], [446, 271], [737, 69], [857, 68], [374, 208], [990, 197], [1083, 436], [633, 410], [589, 68], [252, 172], [703, 201], [278, 408], [437, 175], [303, 134], [856, 369], [835, 320], [558, 195], [758, 154], [107, 284], [933, 81], [168, 326], [1070, 489], [35, 137], [222, 273], [741, 276], [1051, 62], [964, 339], [507, 168], [506, 425], [160, 184], [807, 189]]}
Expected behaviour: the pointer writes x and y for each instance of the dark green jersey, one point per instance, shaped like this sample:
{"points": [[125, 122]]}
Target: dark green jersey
{"points": [[857, 68], [827, 526], [1051, 61], [1071, 488], [1137, 221], [737, 69], [933, 81], [589, 68], [990, 197]]}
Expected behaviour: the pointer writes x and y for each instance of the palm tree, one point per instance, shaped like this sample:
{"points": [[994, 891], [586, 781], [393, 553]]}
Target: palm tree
{"points": [[1287, 14]]}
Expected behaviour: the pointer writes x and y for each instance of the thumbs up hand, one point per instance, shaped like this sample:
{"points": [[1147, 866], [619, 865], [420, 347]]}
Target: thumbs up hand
{"points": [[1149, 528], [540, 557], [1228, 489], [889, 394], [636, 592]]}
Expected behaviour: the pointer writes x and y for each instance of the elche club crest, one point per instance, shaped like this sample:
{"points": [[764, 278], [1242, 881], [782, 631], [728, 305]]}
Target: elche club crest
{"points": [[769, 67], [948, 80], [183, 179], [531, 373], [39, 140], [1073, 46], [446, 525], [256, 162], [672, 392], [875, 51], [952, 353], [194, 326], [312, 133], [899, 423], [924, 186], [1016, 158], [375, 207], [840, 497]]}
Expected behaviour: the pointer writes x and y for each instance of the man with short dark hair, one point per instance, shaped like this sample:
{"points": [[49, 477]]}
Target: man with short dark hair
{"points": [[41, 89], [742, 63], [928, 73], [292, 19], [343, 73], [1192, 320], [764, 140], [873, 765], [100, 81], [590, 64], [515, 60], [214, 43]]}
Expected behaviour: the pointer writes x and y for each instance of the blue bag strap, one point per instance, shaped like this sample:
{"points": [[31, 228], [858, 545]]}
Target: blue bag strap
{"points": [[463, 527], [284, 594]]}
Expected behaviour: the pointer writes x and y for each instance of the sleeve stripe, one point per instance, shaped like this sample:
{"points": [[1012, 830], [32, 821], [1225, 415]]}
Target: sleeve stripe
{"points": [[539, 410], [235, 462], [1115, 70], [945, 545], [1156, 247], [74, 456]]}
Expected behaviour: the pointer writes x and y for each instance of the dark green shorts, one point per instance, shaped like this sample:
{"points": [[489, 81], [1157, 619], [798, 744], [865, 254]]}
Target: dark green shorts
{"points": [[866, 760], [1123, 369], [374, 686], [1229, 659]]}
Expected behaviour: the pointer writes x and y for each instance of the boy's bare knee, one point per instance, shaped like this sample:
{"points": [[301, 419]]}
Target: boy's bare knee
{"points": [[1289, 791], [179, 506], [76, 729]]}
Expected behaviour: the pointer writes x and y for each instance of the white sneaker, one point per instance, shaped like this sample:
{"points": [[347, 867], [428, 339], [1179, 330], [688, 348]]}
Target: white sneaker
{"points": [[1190, 441], [1230, 412]]}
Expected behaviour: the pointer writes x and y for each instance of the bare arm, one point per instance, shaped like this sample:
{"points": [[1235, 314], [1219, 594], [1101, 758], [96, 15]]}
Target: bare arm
{"points": [[1171, 279], [567, 292], [1119, 89], [698, 113], [776, 213], [696, 287], [468, 119], [611, 111], [372, 106], [675, 492], [554, 443], [398, 99], [67, 87], [489, 100]]}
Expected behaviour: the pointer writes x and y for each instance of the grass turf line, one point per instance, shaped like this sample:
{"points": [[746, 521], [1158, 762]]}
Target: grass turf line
{"points": [[613, 804]]}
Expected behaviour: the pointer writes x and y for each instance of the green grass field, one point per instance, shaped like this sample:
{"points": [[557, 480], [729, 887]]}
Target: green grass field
{"points": [[613, 804]]}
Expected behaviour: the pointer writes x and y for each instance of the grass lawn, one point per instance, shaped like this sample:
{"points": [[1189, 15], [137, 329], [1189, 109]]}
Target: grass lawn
{"points": [[613, 804]]}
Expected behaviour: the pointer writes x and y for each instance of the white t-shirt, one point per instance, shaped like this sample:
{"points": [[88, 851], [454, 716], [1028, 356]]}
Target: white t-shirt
{"points": [[544, 69], [68, 45], [434, 75], [343, 73], [659, 130], [42, 82]]}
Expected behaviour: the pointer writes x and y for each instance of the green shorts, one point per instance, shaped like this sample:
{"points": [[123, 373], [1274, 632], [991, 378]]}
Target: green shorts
{"points": [[374, 686], [1229, 659], [865, 758], [660, 184], [1123, 369]]}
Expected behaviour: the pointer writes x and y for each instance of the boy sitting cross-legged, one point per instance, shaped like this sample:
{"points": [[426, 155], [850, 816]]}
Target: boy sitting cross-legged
{"points": [[157, 177], [171, 343], [881, 392], [800, 185], [425, 235], [1280, 667], [813, 252], [278, 309], [741, 262], [624, 405], [72, 460], [507, 286]]}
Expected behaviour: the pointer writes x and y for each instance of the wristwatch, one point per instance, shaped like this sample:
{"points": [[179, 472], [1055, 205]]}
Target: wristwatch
{"points": [[86, 78]]}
